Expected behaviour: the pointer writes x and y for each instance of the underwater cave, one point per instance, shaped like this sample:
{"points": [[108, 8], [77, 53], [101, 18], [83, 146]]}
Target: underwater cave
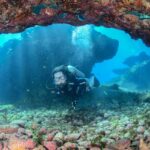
{"points": [[105, 39]]}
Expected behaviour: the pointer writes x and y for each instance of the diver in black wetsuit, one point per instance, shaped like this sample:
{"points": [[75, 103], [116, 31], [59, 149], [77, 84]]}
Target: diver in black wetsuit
{"points": [[71, 82]]}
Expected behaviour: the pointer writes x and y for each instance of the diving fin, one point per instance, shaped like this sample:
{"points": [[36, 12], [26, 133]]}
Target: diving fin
{"points": [[94, 82]]}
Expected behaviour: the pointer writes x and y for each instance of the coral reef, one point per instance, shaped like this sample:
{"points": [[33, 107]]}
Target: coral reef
{"points": [[132, 16], [95, 127]]}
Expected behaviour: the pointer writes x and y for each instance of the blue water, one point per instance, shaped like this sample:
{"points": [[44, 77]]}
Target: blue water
{"points": [[104, 116], [127, 47], [27, 58], [81, 38]]}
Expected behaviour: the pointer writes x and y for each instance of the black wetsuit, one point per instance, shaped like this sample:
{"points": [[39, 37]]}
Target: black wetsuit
{"points": [[76, 84]]}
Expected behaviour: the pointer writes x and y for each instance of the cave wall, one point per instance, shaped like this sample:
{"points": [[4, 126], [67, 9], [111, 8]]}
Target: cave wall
{"points": [[132, 16]]}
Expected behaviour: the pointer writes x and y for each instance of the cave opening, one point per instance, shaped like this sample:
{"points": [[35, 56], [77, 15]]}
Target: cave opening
{"points": [[120, 105], [107, 39], [27, 58]]}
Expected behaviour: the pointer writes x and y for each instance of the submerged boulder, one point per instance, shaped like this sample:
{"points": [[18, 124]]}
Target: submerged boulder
{"points": [[137, 77], [26, 70]]}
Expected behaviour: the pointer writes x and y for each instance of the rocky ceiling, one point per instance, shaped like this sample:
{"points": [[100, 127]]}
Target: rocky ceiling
{"points": [[132, 16]]}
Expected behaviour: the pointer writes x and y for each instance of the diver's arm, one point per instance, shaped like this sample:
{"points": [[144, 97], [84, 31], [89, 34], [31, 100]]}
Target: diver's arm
{"points": [[77, 73], [55, 91]]}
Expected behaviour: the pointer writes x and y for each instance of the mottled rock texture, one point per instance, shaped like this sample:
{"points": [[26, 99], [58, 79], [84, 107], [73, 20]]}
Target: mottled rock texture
{"points": [[132, 16]]}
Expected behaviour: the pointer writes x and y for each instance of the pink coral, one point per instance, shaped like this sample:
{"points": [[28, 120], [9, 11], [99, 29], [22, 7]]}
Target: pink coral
{"points": [[1, 146], [18, 144], [30, 144], [50, 145]]}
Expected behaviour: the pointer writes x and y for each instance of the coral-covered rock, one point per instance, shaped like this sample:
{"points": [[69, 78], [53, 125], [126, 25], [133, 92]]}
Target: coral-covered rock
{"points": [[94, 148], [30, 144], [3, 136], [17, 145], [70, 145], [1, 146], [143, 145], [59, 136], [43, 131], [50, 145], [121, 145], [21, 131], [50, 137], [29, 133], [72, 137], [40, 147], [20, 144], [85, 144], [140, 129], [129, 15]]}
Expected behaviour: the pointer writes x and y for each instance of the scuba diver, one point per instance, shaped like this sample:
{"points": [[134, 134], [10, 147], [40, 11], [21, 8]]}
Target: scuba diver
{"points": [[71, 82]]}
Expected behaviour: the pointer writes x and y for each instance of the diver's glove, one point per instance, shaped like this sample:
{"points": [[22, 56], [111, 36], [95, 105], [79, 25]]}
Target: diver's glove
{"points": [[56, 91], [73, 104]]}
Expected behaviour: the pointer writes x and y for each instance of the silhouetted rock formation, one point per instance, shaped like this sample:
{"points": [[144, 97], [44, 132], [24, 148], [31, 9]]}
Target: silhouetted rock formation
{"points": [[25, 71], [137, 77], [133, 60]]}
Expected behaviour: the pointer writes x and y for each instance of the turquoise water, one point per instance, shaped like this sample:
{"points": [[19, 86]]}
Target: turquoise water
{"points": [[81, 38], [114, 115]]}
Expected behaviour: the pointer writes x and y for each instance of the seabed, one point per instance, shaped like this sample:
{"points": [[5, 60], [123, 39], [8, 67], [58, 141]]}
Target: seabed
{"points": [[100, 125]]}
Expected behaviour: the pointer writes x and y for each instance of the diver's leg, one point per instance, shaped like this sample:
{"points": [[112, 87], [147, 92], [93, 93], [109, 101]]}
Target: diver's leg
{"points": [[74, 104], [93, 82]]}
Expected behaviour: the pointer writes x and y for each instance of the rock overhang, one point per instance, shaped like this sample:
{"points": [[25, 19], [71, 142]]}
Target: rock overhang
{"points": [[132, 16]]}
